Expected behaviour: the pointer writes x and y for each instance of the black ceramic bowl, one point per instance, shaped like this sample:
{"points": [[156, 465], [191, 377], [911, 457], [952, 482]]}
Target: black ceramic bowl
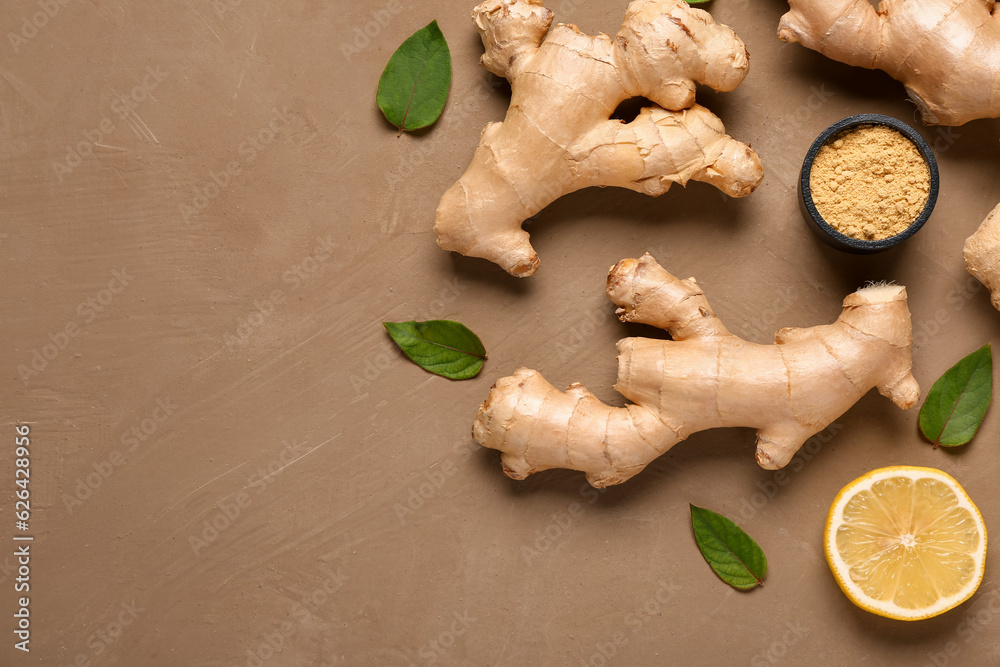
{"points": [[849, 243]]}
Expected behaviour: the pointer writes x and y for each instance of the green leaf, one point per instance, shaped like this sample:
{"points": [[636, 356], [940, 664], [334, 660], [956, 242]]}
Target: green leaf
{"points": [[443, 347], [414, 84], [957, 402], [697, 2], [733, 554]]}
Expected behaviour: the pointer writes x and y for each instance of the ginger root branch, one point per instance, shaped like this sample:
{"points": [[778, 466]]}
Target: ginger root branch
{"points": [[982, 254], [705, 377], [945, 52], [558, 135]]}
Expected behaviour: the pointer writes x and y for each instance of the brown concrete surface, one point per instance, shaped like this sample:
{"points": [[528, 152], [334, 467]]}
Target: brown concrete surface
{"points": [[227, 366]]}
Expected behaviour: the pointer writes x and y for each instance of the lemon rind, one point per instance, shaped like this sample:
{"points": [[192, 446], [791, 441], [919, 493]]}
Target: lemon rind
{"points": [[839, 566]]}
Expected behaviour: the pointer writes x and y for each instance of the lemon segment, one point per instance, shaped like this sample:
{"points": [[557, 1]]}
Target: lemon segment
{"points": [[906, 542]]}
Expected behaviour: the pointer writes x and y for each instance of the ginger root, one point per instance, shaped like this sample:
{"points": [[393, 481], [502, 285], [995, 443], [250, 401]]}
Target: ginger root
{"points": [[558, 136], [705, 377], [946, 52], [982, 254]]}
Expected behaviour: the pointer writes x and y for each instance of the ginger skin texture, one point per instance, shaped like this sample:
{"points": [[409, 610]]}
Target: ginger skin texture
{"points": [[982, 254], [559, 137], [946, 52], [704, 378]]}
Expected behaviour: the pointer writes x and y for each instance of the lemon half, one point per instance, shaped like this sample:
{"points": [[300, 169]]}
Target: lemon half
{"points": [[906, 542]]}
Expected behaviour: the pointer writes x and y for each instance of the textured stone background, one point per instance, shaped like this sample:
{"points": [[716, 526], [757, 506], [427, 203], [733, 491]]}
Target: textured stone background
{"points": [[230, 458]]}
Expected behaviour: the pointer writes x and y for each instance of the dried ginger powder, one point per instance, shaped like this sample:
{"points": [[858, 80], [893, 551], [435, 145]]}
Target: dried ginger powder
{"points": [[870, 182]]}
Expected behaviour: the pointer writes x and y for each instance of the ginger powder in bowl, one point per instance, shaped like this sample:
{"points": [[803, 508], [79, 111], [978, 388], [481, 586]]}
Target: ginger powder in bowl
{"points": [[868, 183]]}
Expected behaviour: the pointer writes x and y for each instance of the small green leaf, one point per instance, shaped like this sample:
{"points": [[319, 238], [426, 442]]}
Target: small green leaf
{"points": [[443, 347], [957, 402], [733, 554], [414, 84], [697, 2]]}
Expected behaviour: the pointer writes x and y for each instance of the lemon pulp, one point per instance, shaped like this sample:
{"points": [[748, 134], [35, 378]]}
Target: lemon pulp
{"points": [[906, 542]]}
